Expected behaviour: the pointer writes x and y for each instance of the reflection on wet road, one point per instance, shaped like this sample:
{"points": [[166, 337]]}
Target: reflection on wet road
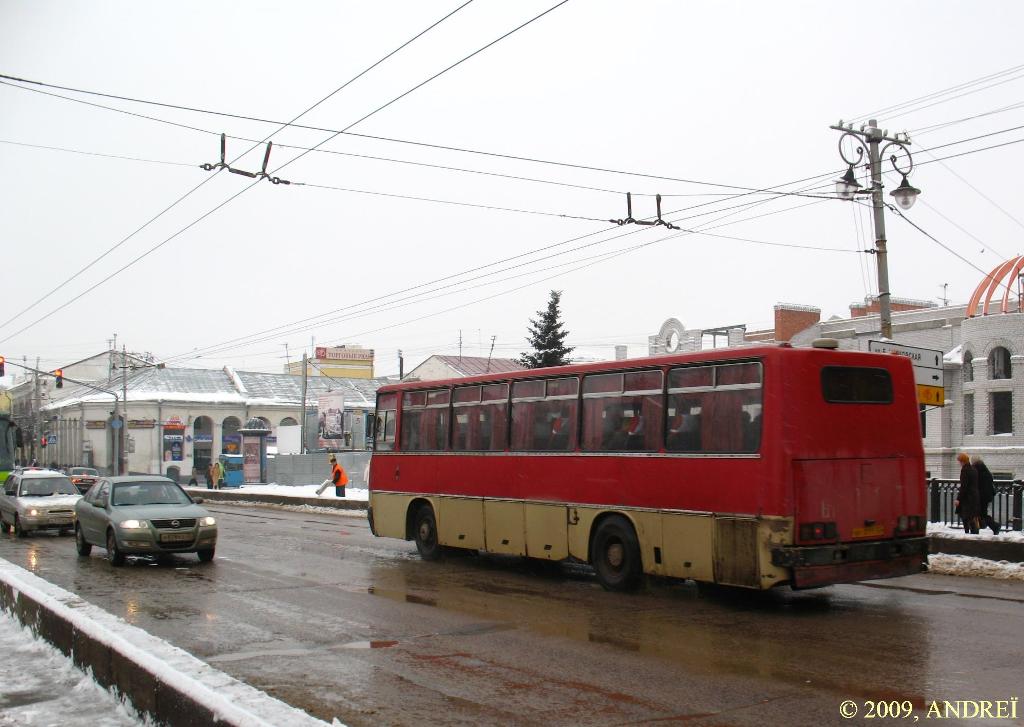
{"points": [[317, 612]]}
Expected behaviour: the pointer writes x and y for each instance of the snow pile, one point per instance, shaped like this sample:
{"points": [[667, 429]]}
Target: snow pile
{"points": [[40, 684], [964, 565], [351, 493], [941, 530]]}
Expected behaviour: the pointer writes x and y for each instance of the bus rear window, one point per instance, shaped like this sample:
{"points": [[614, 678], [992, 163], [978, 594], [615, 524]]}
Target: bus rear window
{"points": [[856, 385]]}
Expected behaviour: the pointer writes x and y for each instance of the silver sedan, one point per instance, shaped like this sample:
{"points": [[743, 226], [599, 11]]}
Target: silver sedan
{"points": [[36, 499], [143, 515]]}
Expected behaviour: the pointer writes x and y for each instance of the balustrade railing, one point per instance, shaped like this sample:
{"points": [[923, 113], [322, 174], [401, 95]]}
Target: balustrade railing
{"points": [[1006, 508]]}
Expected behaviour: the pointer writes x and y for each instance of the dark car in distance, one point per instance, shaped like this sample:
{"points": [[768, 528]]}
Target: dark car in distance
{"points": [[83, 477]]}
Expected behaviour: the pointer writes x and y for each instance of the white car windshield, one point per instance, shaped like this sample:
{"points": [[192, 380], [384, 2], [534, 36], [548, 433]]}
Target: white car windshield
{"points": [[149, 493], [46, 486]]}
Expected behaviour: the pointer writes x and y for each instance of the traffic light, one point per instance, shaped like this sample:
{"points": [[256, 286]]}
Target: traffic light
{"points": [[2, 361], [59, 373]]}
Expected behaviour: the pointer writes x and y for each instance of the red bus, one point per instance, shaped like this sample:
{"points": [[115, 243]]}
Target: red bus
{"points": [[752, 467]]}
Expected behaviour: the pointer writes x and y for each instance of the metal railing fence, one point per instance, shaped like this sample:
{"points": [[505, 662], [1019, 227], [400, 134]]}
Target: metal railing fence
{"points": [[1006, 508]]}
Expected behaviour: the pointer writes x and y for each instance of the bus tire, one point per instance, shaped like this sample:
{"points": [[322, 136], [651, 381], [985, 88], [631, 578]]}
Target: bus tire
{"points": [[425, 533], [615, 555]]}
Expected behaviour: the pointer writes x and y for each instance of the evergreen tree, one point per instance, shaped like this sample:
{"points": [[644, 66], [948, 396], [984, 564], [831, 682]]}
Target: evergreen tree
{"points": [[547, 337]]}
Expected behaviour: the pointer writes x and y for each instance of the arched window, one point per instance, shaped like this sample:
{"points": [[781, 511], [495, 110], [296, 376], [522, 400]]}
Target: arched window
{"points": [[968, 367], [289, 422], [231, 440], [999, 363]]}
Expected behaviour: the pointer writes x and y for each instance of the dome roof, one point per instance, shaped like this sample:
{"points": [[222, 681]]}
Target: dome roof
{"points": [[999, 287]]}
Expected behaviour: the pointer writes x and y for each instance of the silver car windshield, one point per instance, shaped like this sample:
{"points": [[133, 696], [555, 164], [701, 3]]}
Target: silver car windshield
{"points": [[46, 486], [149, 493]]}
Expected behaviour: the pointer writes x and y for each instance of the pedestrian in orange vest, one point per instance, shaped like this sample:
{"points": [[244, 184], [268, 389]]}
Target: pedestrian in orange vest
{"points": [[338, 477]]}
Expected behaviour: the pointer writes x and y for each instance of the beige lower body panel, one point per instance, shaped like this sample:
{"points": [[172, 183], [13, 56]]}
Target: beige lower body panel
{"points": [[729, 549]]}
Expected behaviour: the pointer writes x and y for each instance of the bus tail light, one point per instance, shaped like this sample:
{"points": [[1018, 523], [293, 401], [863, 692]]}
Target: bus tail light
{"points": [[910, 523], [818, 531]]}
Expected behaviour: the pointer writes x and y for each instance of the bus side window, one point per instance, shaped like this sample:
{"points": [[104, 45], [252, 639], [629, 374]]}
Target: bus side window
{"points": [[684, 425]]}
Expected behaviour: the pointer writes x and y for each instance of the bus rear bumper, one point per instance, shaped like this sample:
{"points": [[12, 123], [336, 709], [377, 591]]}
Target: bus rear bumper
{"points": [[822, 565]]}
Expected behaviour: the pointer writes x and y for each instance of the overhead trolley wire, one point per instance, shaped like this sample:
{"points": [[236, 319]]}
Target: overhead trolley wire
{"points": [[320, 320], [942, 92], [347, 132], [161, 244]]}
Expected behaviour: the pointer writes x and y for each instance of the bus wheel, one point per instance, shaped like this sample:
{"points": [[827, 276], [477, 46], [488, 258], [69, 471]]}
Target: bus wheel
{"points": [[425, 527], [615, 555]]}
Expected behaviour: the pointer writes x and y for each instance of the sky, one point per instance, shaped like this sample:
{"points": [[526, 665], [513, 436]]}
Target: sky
{"points": [[697, 101]]}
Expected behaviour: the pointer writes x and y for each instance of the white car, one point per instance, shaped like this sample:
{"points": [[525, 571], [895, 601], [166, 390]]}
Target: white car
{"points": [[35, 499]]}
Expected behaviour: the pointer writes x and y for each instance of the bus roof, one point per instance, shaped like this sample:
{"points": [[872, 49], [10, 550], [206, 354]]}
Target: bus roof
{"points": [[710, 356]]}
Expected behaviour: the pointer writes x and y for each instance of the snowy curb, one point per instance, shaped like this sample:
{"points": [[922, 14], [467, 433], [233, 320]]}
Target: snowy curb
{"points": [[242, 495], [162, 681]]}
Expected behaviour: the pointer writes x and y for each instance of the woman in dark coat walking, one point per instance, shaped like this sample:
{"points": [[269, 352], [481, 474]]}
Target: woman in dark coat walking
{"points": [[968, 500], [986, 493]]}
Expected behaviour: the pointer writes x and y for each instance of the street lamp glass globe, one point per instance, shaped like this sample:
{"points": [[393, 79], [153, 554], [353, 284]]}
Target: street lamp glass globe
{"points": [[847, 187], [905, 194]]}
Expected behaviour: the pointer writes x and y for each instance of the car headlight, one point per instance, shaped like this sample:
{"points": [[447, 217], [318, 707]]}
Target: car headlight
{"points": [[32, 512], [133, 524], [207, 521]]}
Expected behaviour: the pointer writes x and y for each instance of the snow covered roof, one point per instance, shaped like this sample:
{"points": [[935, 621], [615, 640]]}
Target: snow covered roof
{"points": [[219, 386], [476, 365], [956, 356]]}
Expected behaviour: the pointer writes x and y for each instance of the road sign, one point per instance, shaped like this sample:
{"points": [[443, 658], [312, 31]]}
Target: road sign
{"points": [[927, 369]]}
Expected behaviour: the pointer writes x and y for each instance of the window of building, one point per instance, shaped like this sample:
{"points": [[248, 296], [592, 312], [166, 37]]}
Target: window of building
{"points": [[544, 414], [999, 363], [968, 414], [384, 425], [425, 420], [480, 418], [622, 412], [714, 408], [1002, 412], [968, 366]]}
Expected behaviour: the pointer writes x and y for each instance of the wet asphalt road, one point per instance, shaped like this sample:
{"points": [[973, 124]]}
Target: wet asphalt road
{"points": [[317, 612]]}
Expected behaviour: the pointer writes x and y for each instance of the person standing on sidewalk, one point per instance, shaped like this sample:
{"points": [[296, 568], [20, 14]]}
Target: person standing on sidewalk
{"points": [[216, 474], [968, 503], [338, 477], [986, 493]]}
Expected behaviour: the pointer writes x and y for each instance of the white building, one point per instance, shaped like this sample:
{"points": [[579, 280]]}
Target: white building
{"points": [[177, 419]]}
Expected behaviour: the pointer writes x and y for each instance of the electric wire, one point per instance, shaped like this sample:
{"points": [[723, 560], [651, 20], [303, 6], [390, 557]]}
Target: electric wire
{"points": [[347, 132], [95, 153], [941, 92], [319, 320], [245, 189], [942, 125]]}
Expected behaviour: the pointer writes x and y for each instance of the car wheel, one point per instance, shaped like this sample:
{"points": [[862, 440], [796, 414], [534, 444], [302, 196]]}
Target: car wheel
{"points": [[19, 530], [425, 529], [615, 555], [206, 555], [114, 555], [84, 548]]}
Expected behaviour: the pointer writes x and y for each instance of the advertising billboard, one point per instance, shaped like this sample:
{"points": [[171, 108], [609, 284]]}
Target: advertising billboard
{"points": [[331, 418]]}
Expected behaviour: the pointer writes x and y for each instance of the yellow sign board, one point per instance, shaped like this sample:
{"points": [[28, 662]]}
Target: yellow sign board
{"points": [[931, 395], [5, 402]]}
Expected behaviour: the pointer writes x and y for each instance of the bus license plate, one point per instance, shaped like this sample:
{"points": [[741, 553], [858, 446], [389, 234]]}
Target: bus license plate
{"points": [[869, 532], [176, 538]]}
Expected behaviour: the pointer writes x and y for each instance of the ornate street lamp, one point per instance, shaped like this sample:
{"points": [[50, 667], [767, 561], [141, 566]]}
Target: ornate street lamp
{"points": [[905, 195]]}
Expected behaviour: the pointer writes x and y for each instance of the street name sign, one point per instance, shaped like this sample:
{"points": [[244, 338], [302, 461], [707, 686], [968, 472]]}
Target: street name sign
{"points": [[927, 369]]}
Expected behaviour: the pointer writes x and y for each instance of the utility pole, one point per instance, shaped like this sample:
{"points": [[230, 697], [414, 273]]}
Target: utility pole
{"points": [[401, 365], [905, 196], [489, 353], [302, 420], [37, 402], [124, 401]]}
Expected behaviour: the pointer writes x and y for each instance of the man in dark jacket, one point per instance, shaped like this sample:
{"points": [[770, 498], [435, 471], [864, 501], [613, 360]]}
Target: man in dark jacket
{"points": [[968, 501], [986, 493]]}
